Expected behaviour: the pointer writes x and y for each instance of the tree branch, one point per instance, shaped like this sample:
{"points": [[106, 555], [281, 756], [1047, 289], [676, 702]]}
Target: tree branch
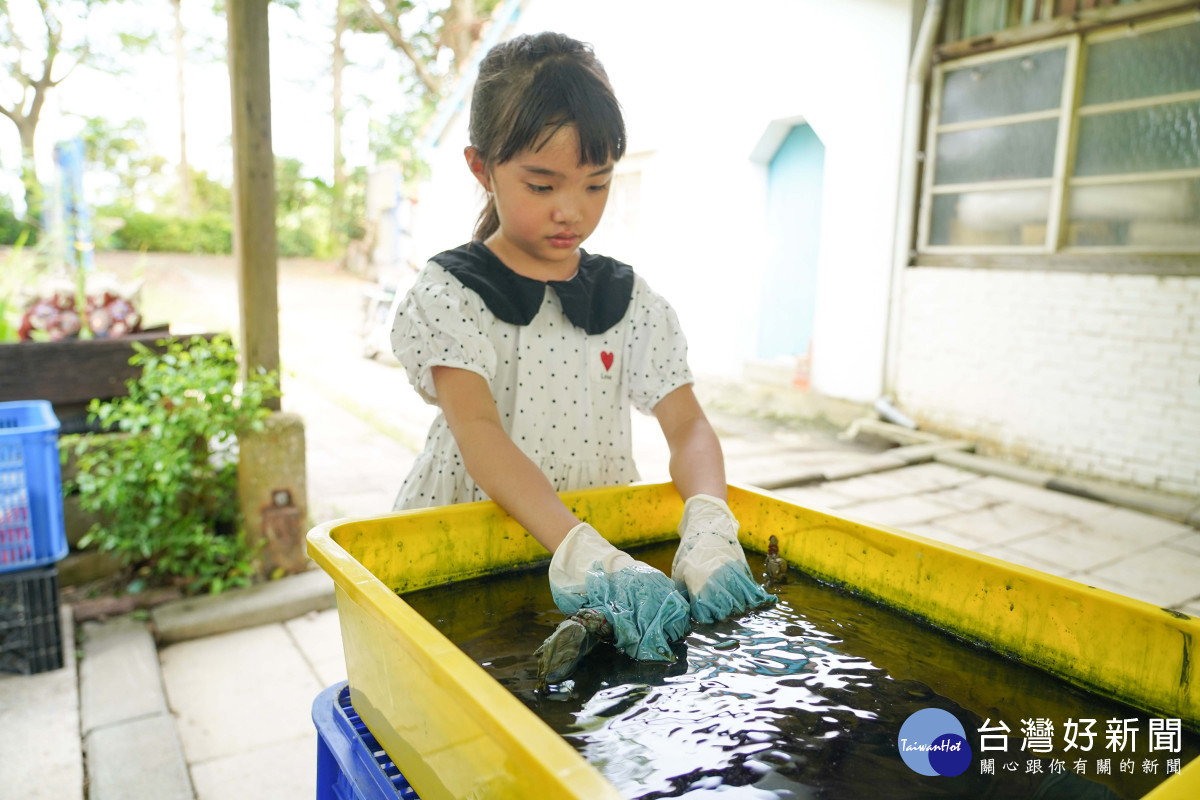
{"points": [[83, 54], [431, 82]]}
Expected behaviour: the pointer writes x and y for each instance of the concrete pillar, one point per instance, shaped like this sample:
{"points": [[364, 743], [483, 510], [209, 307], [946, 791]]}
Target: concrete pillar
{"points": [[273, 493]]}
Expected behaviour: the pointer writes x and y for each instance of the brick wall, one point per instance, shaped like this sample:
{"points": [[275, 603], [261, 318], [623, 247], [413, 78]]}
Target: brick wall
{"points": [[1091, 374]]}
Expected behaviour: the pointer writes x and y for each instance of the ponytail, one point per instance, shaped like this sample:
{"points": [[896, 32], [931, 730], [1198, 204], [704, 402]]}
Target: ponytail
{"points": [[488, 222]]}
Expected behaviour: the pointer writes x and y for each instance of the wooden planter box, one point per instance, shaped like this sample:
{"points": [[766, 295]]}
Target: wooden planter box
{"points": [[72, 372]]}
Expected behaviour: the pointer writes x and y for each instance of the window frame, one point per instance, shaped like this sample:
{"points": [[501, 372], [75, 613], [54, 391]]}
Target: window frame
{"points": [[1068, 113]]}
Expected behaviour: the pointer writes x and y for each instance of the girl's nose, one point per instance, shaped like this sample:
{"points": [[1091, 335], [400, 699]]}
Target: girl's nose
{"points": [[566, 213]]}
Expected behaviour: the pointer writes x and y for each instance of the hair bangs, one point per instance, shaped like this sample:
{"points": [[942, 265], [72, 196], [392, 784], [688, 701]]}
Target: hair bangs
{"points": [[562, 92]]}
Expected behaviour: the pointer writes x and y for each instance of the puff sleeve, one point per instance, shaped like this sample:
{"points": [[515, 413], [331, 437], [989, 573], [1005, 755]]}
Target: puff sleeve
{"points": [[657, 350], [440, 323]]}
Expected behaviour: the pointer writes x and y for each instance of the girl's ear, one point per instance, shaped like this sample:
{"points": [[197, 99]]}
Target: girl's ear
{"points": [[478, 168]]}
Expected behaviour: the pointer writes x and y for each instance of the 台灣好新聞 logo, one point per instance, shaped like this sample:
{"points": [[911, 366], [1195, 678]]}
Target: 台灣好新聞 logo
{"points": [[934, 742]]}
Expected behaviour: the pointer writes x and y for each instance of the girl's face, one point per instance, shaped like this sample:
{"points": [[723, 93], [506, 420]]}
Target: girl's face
{"points": [[547, 204]]}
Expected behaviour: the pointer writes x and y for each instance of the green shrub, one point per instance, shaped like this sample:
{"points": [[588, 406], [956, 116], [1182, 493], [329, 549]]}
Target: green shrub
{"points": [[208, 233], [11, 228], [296, 242], [166, 489]]}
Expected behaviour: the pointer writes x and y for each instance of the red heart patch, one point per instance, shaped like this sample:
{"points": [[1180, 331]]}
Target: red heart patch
{"points": [[606, 358]]}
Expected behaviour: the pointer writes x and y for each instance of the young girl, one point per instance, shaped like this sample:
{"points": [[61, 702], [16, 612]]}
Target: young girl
{"points": [[534, 350]]}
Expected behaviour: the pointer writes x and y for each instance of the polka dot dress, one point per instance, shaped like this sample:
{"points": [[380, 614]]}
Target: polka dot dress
{"points": [[564, 396]]}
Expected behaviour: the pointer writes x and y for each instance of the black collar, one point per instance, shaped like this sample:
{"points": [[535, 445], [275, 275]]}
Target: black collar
{"points": [[595, 299]]}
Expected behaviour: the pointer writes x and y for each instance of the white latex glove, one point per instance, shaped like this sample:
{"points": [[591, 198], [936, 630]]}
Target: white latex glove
{"points": [[710, 567], [640, 602]]}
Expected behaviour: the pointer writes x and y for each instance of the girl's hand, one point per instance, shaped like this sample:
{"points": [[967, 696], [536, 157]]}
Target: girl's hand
{"points": [[710, 567], [640, 602]]}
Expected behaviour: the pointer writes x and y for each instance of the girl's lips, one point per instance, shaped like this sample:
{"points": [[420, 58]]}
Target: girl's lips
{"points": [[563, 240]]}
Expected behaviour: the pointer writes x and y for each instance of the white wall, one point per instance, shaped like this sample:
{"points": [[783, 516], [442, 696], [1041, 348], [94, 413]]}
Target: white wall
{"points": [[700, 82], [1092, 374]]}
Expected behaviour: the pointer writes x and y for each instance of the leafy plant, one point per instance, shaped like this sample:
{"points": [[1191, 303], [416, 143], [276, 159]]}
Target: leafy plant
{"points": [[164, 480]]}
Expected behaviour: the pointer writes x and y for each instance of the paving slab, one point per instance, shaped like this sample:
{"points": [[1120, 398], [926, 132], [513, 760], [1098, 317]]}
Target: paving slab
{"points": [[274, 601], [40, 757], [318, 635], [284, 769], [1189, 542], [1014, 556], [868, 487], [137, 759], [945, 535], [1002, 523], [867, 465], [899, 512], [1049, 501], [931, 476], [118, 677], [238, 692], [1134, 524], [962, 498], [1078, 547], [1161, 575], [819, 497]]}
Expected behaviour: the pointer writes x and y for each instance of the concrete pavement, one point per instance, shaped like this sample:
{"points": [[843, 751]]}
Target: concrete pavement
{"points": [[217, 707]]}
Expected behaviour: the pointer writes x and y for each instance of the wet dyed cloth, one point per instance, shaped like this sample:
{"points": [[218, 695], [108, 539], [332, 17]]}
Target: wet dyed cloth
{"points": [[710, 566], [640, 602]]}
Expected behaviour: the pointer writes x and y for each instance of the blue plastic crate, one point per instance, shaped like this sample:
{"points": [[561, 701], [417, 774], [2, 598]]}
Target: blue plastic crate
{"points": [[31, 510], [351, 764]]}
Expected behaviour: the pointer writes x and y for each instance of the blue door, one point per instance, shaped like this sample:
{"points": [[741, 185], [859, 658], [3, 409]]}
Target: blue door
{"points": [[794, 228]]}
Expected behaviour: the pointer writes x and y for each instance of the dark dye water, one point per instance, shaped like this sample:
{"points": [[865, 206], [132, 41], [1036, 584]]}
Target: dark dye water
{"points": [[805, 700]]}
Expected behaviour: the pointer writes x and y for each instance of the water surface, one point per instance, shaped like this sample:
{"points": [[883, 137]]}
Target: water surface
{"points": [[802, 700]]}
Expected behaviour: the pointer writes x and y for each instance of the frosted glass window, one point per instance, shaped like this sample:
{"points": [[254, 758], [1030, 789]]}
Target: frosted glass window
{"points": [[1011, 217], [1153, 214], [1142, 140], [1145, 65], [1001, 152], [1019, 85]]}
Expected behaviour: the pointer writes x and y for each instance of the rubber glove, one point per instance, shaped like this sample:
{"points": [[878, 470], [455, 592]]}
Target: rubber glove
{"points": [[640, 602], [710, 567]]}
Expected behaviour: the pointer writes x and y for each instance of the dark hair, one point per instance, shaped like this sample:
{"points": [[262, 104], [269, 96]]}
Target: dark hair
{"points": [[528, 88]]}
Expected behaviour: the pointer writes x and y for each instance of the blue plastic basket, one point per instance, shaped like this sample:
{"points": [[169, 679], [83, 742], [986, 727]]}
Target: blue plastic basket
{"points": [[351, 764], [31, 508]]}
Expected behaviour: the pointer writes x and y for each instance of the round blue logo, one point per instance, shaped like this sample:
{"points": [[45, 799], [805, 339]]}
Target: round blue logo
{"points": [[933, 742]]}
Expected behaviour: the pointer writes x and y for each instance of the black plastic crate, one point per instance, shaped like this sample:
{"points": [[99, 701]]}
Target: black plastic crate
{"points": [[30, 626]]}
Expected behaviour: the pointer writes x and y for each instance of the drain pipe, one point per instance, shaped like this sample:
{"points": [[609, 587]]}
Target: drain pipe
{"points": [[906, 205]]}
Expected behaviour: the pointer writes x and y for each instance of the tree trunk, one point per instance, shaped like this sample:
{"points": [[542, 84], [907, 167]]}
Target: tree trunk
{"points": [[339, 161], [33, 188], [185, 172]]}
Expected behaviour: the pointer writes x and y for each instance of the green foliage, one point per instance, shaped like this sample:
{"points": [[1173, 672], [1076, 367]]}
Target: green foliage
{"points": [[165, 480], [17, 271], [208, 233], [125, 169], [396, 139], [12, 229]]}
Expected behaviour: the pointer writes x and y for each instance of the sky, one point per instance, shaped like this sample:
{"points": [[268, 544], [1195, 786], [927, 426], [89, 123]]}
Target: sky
{"points": [[301, 85]]}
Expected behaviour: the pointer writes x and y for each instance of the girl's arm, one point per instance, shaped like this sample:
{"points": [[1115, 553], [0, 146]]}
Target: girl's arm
{"points": [[494, 462], [697, 465]]}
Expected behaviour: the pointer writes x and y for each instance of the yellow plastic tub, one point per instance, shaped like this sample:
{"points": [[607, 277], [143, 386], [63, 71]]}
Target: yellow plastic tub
{"points": [[456, 733]]}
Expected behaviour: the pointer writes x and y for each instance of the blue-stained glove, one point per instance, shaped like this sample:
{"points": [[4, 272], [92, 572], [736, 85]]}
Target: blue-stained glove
{"points": [[710, 567], [641, 603]]}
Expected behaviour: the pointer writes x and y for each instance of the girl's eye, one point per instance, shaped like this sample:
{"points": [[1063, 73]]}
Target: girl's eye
{"points": [[538, 188], [599, 187]]}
